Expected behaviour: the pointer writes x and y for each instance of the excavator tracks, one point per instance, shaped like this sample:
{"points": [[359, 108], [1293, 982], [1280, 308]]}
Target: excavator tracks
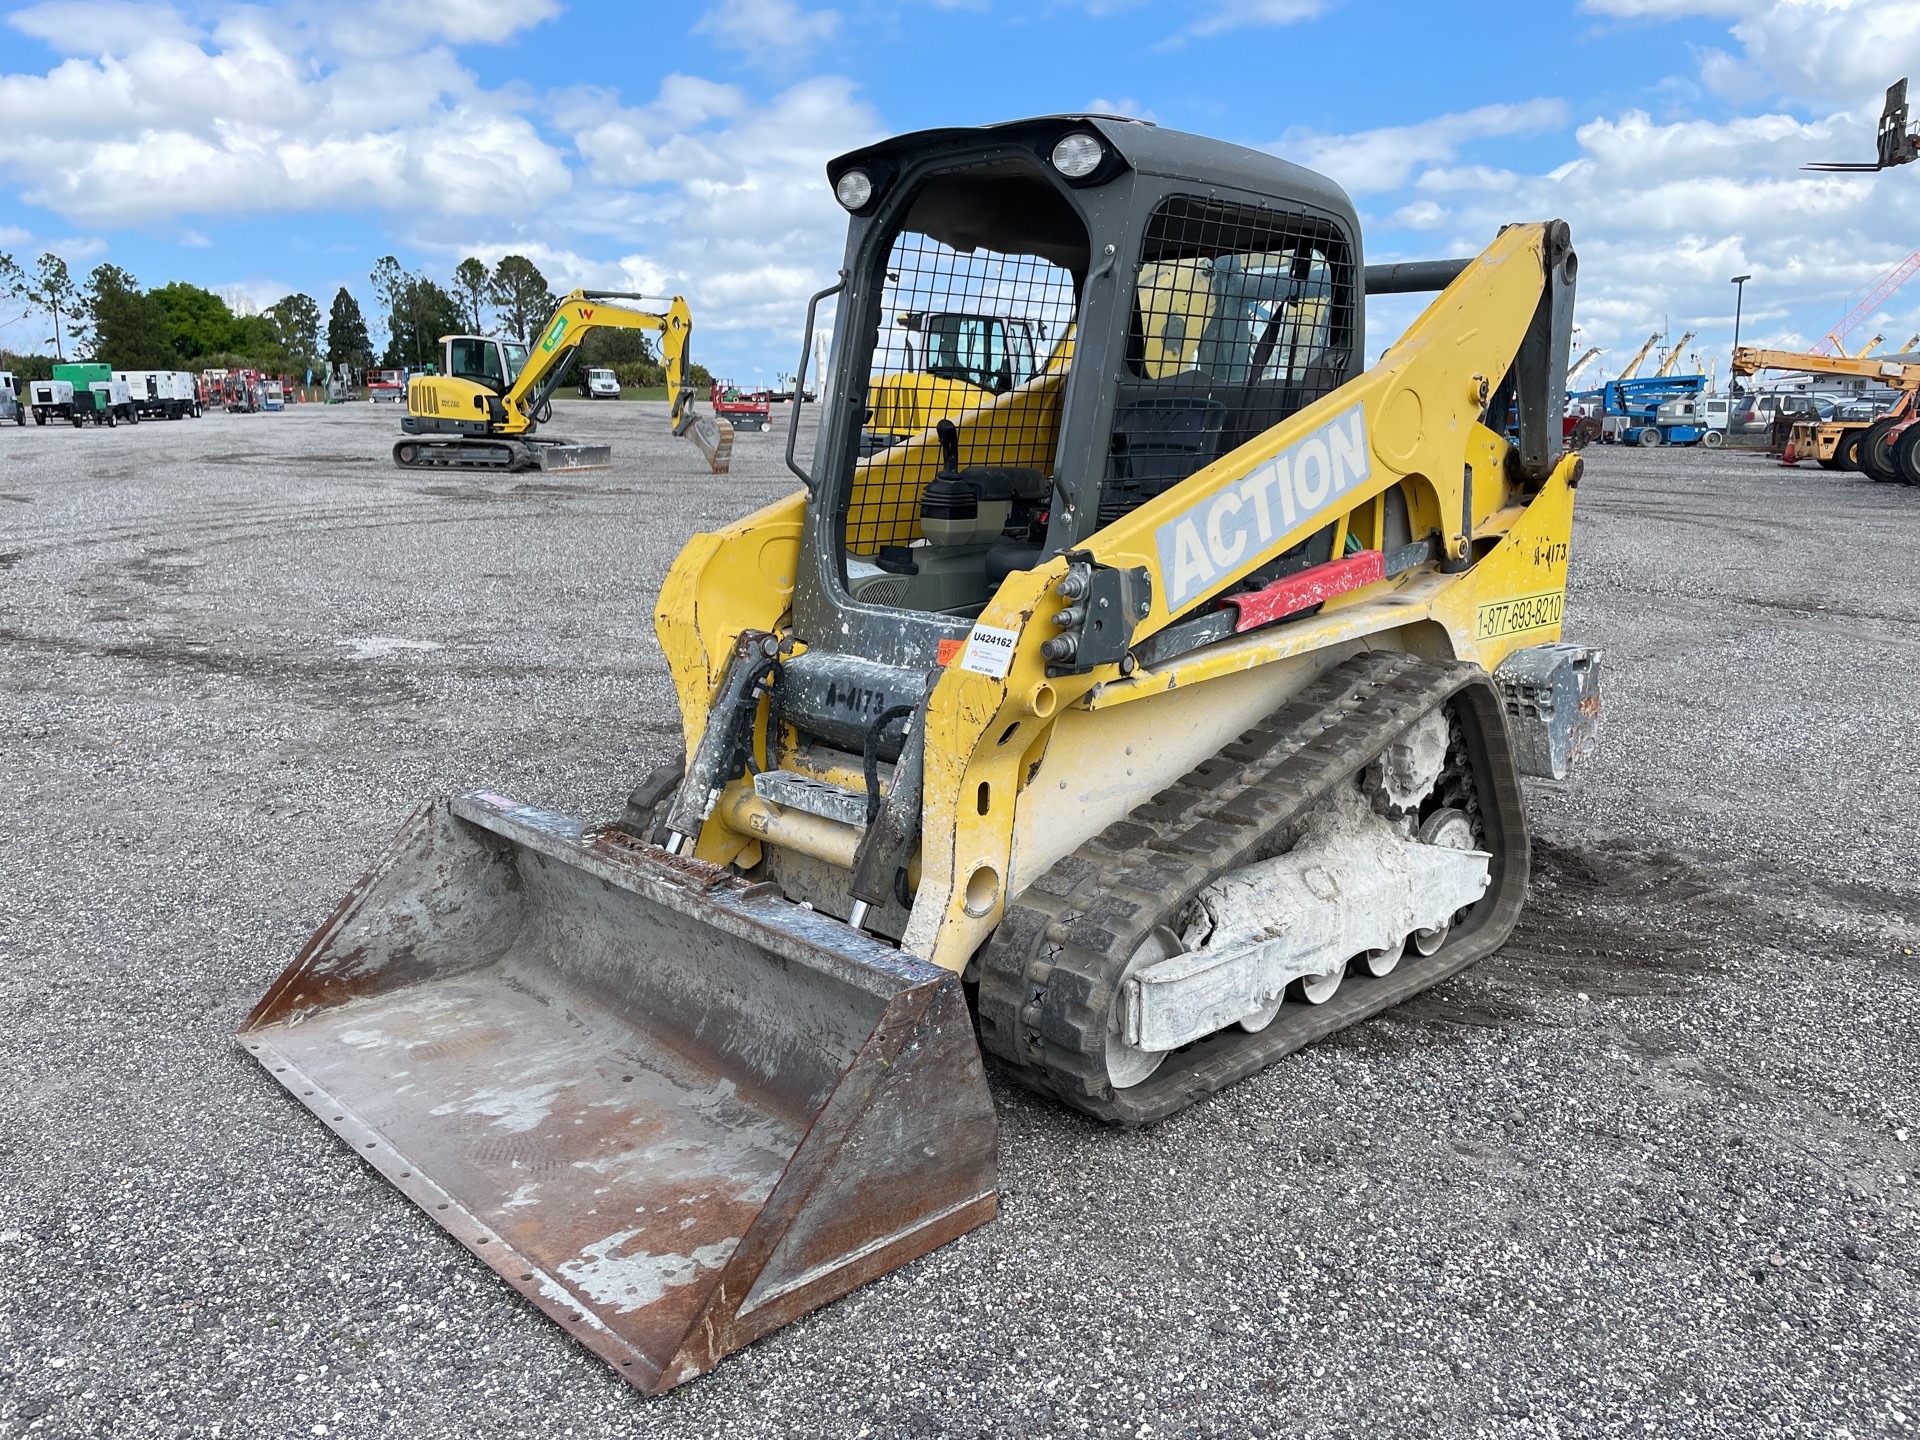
{"points": [[1048, 977], [503, 456]]}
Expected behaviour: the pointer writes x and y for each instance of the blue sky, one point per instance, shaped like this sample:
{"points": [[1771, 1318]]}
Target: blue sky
{"points": [[259, 150]]}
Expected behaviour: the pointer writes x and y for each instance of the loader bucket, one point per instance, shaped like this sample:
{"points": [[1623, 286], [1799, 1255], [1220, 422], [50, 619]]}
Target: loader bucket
{"points": [[673, 1109]]}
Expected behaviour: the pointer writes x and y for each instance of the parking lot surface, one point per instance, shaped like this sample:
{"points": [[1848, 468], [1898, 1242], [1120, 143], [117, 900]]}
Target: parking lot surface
{"points": [[1650, 1170]]}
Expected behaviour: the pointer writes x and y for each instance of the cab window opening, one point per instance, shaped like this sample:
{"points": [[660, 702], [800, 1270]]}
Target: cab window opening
{"points": [[949, 486], [1241, 316]]}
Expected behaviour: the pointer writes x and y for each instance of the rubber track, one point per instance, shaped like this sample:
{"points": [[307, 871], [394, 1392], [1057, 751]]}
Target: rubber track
{"points": [[435, 454], [1047, 976]]}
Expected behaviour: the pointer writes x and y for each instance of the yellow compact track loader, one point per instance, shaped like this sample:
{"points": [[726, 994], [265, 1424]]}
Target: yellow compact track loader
{"points": [[482, 411], [1158, 716]]}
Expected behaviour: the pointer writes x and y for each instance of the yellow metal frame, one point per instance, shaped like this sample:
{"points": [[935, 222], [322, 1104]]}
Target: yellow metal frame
{"points": [[1894, 374], [990, 742]]}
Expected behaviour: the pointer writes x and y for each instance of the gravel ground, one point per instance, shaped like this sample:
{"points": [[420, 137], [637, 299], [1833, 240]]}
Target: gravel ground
{"points": [[1651, 1170]]}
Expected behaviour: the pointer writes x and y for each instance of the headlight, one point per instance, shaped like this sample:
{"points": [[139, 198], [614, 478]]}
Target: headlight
{"points": [[854, 189], [1078, 155]]}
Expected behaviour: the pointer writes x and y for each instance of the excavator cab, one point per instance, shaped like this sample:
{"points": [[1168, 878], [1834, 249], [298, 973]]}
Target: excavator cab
{"points": [[483, 360], [989, 352]]}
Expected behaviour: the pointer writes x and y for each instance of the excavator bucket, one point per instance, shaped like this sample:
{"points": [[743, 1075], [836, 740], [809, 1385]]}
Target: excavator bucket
{"points": [[673, 1109], [713, 434]]}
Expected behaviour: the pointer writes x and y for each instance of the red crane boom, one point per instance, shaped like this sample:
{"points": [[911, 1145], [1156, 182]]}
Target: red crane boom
{"points": [[1894, 279]]}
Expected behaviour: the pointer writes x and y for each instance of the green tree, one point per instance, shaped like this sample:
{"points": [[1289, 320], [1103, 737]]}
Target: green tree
{"points": [[128, 326], [13, 280], [296, 323], [521, 298], [347, 342], [419, 312], [389, 293], [256, 339], [612, 347], [27, 367], [472, 283], [13, 290], [50, 289], [198, 321]]}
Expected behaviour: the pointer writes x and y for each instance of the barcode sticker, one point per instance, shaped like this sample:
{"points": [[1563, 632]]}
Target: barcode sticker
{"points": [[990, 651]]}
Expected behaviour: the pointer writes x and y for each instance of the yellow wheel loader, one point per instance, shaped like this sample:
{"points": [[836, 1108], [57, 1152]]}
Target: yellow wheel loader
{"points": [[482, 411], [1156, 717]]}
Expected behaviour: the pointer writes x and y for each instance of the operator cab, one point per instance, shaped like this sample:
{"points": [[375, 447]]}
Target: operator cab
{"points": [[1044, 326], [483, 360]]}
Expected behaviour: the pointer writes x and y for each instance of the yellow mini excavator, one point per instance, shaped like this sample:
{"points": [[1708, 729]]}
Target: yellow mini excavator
{"points": [[482, 410], [1160, 715]]}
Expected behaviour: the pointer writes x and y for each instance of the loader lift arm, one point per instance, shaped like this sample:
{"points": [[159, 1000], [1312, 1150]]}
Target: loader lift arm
{"points": [[1428, 418]]}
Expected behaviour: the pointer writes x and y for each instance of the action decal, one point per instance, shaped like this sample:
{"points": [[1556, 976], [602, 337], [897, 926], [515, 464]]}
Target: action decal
{"points": [[1214, 535]]}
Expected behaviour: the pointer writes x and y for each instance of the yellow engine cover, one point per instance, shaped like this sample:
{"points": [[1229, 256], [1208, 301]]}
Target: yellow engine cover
{"points": [[445, 397]]}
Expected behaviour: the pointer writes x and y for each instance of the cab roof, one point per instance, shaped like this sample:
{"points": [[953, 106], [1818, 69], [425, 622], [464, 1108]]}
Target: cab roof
{"points": [[1143, 146]]}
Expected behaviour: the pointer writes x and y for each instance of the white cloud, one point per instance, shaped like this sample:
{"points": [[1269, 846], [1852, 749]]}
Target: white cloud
{"points": [[1385, 159], [461, 21], [1663, 9], [1132, 109], [1846, 51], [777, 34], [75, 248], [1420, 215], [99, 27], [1664, 215], [1664, 211], [702, 191], [1228, 15], [158, 120], [1831, 50]]}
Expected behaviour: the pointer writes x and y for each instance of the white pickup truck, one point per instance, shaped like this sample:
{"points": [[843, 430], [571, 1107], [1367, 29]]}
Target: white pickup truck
{"points": [[12, 407]]}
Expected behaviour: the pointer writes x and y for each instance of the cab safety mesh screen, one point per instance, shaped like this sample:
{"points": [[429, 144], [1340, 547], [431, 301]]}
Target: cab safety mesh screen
{"points": [[983, 339], [1241, 316]]}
